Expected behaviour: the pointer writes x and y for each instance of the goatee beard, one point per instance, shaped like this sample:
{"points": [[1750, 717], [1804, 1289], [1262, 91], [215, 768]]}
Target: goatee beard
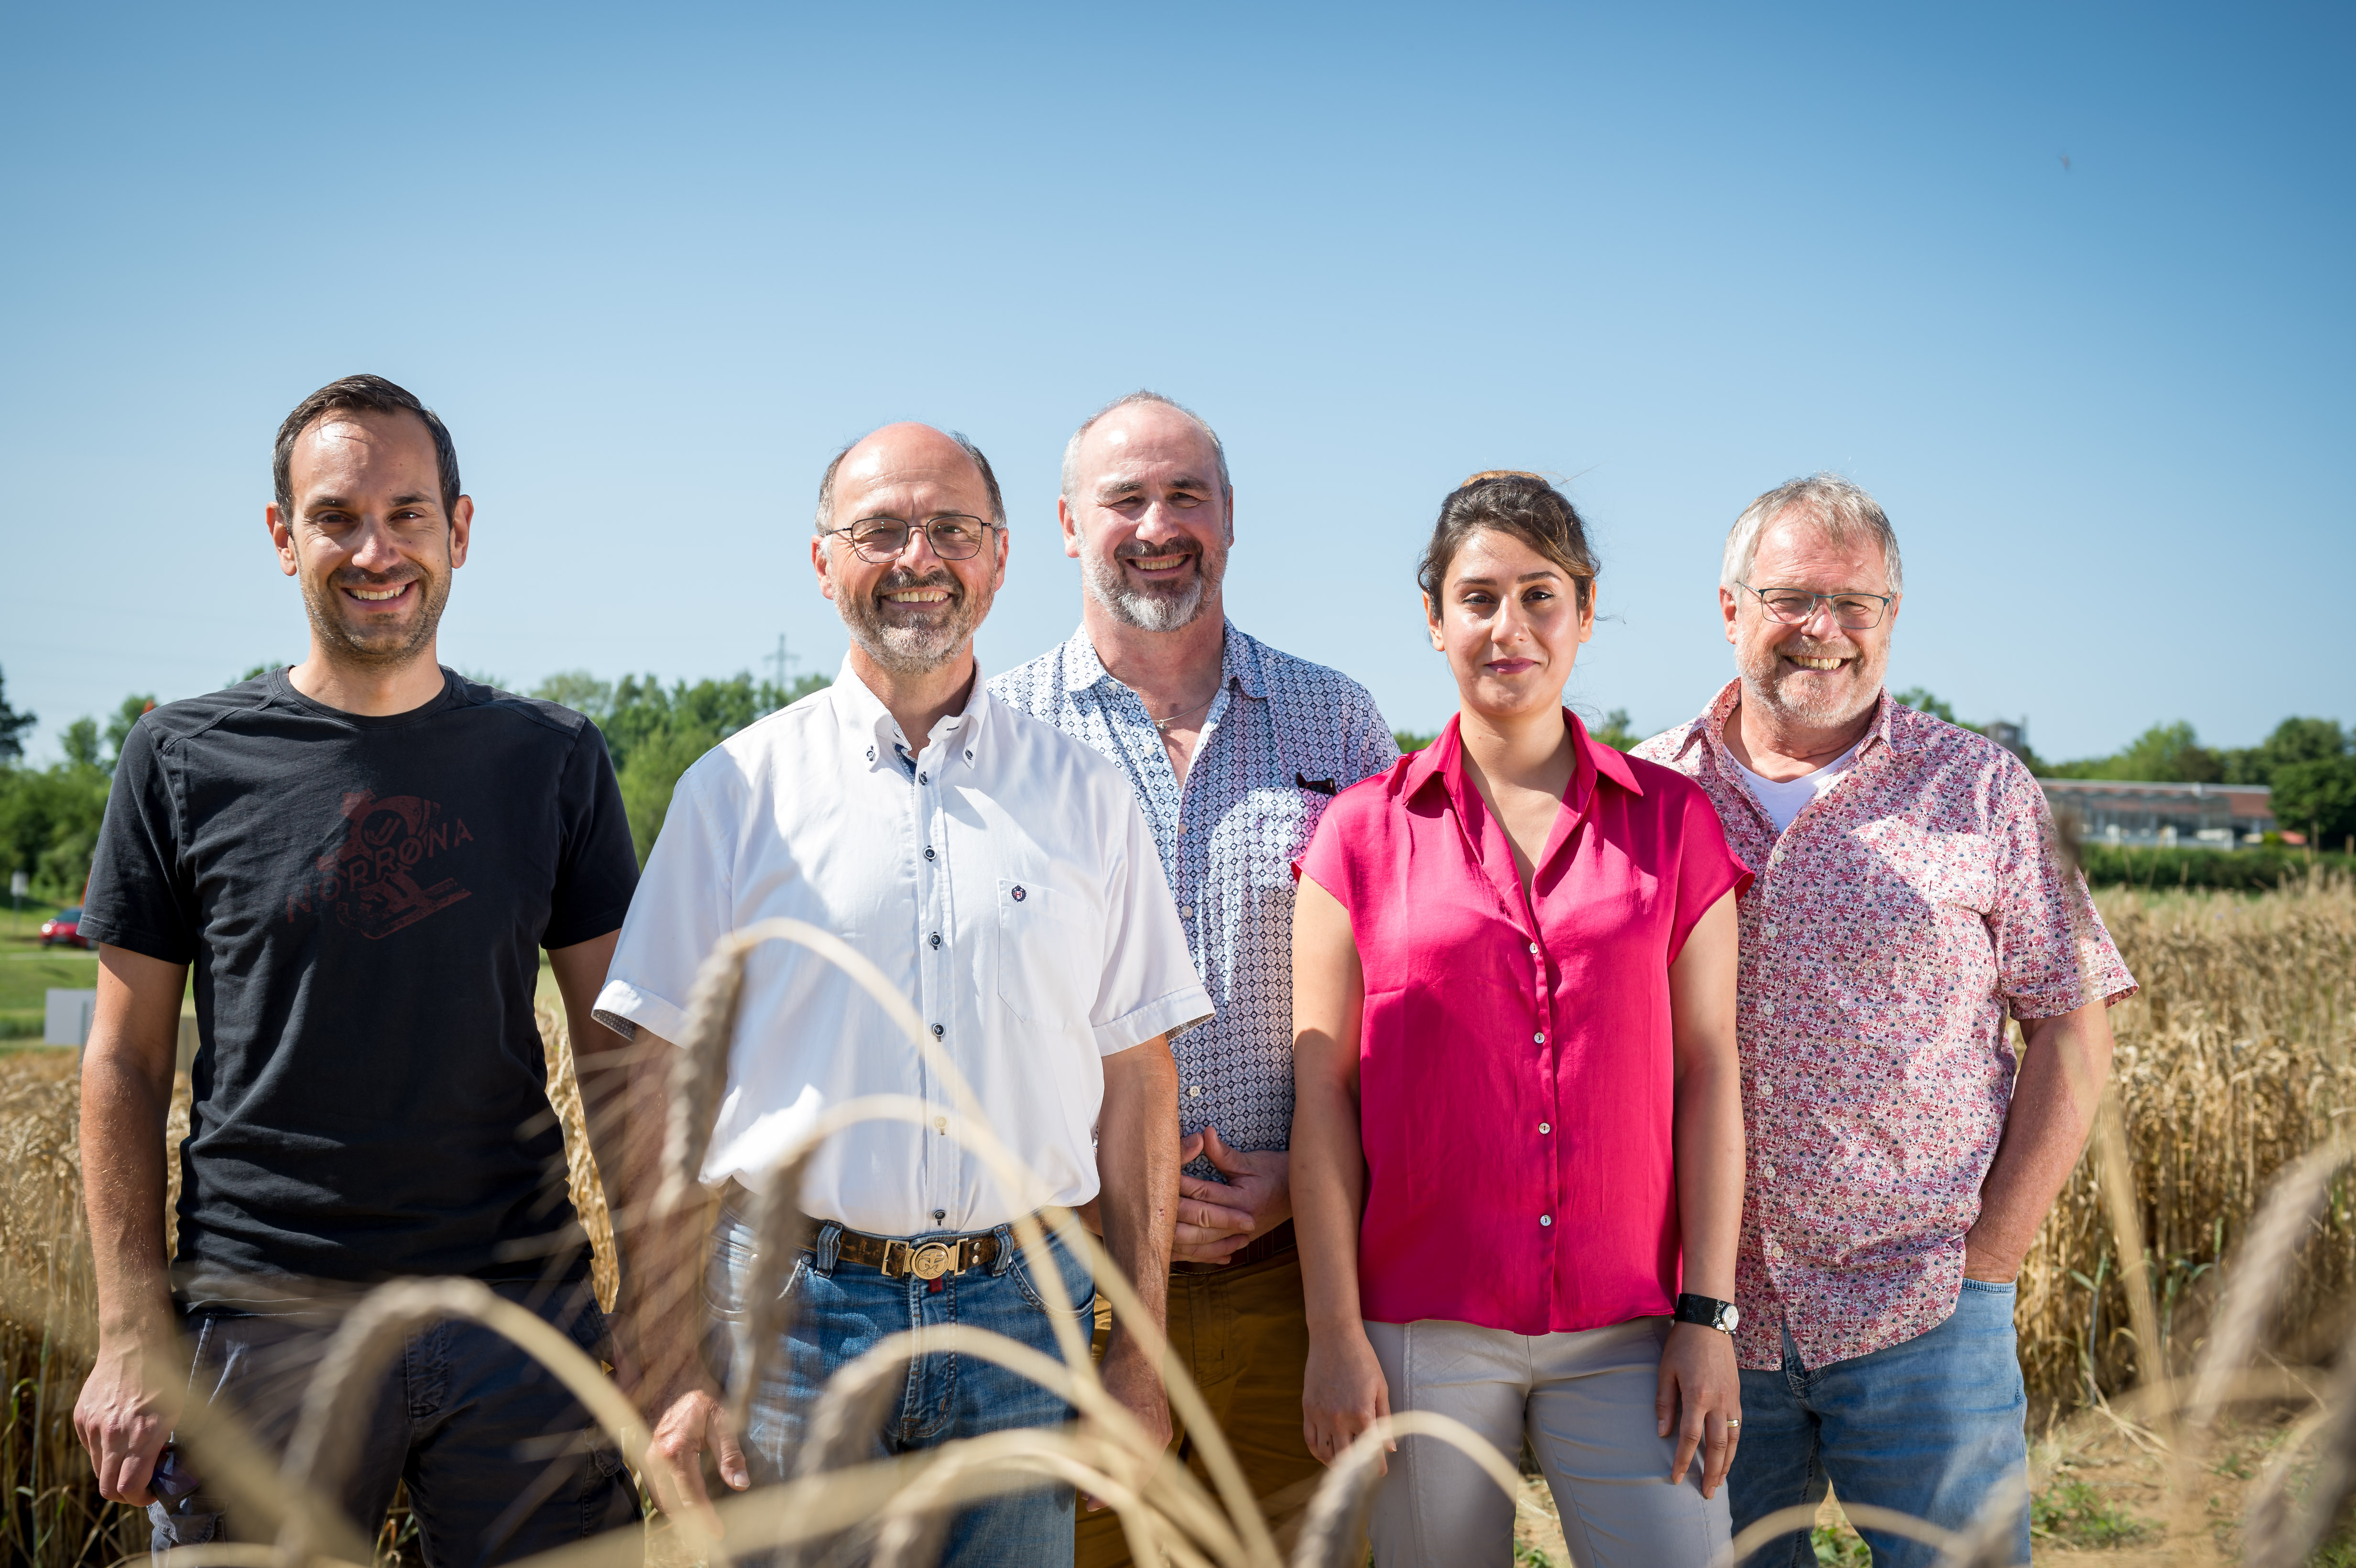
{"points": [[1148, 609], [342, 646], [919, 649]]}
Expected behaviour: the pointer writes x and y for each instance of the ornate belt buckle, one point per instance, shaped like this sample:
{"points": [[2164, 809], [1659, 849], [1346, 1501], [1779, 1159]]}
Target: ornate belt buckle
{"points": [[931, 1261]]}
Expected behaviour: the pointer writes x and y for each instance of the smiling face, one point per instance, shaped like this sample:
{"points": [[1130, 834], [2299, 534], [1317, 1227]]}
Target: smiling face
{"points": [[1510, 622], [1147, 518], [367, 537], [1816, 674], [915, 612]]}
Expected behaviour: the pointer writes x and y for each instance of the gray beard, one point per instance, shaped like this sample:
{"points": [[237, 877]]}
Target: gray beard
{"points": [[1144, 609], [1764, 683], [912, 650]]}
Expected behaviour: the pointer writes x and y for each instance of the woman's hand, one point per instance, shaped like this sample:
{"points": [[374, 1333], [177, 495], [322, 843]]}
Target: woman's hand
{"points": [[1342, 1394], [1700, 1399]]}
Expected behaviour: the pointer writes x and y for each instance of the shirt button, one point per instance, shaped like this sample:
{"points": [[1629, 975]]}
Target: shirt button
{"points": [[940, 1215], [929, 854], [940, 1124], [1768, 929], [937, 939], [1539, 1037], [871, 753], [1195, 1093], [937, 1032], [968, 756], [1546, 1127], [1534, 947], [1767, 1009], [1768, 1172], [1545, 1218], [923, 778]]}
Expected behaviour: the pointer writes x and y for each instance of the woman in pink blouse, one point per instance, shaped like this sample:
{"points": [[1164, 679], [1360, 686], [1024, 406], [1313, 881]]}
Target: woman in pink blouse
{"points": [[1517, 1134]]}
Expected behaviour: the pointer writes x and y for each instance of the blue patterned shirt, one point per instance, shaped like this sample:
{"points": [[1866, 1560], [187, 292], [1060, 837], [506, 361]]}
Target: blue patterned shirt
{"points": [[1282, 736]]}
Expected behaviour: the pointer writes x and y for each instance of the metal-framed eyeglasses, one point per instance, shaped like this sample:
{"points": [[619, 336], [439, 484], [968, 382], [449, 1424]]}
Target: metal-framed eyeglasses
{"points": [[1852, 612], [955, 535]]}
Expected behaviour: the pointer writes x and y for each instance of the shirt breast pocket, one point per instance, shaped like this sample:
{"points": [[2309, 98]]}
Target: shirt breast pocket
{"points": [[1047, 973]]}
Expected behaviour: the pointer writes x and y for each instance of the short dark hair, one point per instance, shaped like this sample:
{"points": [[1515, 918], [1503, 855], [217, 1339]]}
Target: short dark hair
{"points": [[989, 480], [1522, 505], [362, 393]]}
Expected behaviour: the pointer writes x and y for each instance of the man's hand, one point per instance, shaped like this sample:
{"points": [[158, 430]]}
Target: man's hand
{"points": [[1218, 1219], [125, 1413], [694, 1422], [1130, 1379]]}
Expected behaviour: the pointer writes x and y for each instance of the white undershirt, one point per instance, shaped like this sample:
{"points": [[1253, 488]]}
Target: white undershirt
{"points": [[1784, 797]]}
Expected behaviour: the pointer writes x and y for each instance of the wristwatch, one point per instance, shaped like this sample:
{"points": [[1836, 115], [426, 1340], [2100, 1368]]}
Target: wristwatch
{"points": [[1708, 1311]]}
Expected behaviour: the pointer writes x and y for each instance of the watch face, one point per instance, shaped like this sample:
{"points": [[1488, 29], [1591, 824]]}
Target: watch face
{"points": [[1730, 1318]]}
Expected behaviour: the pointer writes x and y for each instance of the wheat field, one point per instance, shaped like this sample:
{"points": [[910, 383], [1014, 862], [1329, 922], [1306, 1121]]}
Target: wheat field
{"points": [[2239, 1056]]}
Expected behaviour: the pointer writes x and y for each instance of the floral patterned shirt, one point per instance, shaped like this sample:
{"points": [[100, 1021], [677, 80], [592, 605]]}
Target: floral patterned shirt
{"points": [[1895, 926]]}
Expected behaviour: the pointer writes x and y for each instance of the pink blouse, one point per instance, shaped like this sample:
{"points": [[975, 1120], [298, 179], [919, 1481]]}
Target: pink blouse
{"points": [[1515, 1068]]}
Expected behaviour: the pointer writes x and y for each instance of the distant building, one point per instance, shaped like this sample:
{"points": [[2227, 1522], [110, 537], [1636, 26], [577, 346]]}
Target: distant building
{"points": [[2012, 737], [2111, 811]]}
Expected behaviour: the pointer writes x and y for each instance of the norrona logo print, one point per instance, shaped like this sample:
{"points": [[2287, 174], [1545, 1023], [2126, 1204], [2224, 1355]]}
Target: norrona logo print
{"points": [[370, 879]]}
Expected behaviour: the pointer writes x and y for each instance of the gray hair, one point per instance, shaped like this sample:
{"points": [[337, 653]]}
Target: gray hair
{"points": [[1072, 447], [988, 479], [1836, 505]]}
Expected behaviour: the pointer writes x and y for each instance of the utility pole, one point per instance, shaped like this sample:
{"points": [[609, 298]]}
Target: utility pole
{"points": [[783, 660]]}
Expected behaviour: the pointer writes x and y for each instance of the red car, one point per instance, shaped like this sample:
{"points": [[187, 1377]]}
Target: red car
{"points": [[65, 927]]}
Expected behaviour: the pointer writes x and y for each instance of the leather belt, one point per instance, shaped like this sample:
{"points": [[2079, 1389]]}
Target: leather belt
{"points": [[895, 1258], [1258, 1250], [926, 1260]]}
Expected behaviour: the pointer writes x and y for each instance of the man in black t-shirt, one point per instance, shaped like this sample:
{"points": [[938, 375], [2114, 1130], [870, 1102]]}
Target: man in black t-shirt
{"points": [[360, 855]]}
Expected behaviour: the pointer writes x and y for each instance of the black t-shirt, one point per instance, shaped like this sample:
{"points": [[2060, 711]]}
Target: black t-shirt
{"points": [[363, 899]]}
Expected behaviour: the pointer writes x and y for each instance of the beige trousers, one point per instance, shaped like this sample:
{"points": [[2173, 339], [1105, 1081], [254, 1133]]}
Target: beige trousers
{"points": [[1584, 1401]]}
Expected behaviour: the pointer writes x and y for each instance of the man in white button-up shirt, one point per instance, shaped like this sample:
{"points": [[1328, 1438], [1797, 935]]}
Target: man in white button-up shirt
{"points": [[1004, 877]]}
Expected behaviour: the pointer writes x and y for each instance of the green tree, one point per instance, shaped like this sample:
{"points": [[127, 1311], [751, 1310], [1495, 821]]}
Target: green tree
{"points": [[1921, 700], [1413, 739], [119, 726], [2293, 740], [12, 726], [2165, 754], [1615, 730], [80, 742], [2318, 797], [655, 733], [579, 690]]}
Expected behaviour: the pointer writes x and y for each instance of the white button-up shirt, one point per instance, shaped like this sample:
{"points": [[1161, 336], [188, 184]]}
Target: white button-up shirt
{"points": [[1004, 879]]}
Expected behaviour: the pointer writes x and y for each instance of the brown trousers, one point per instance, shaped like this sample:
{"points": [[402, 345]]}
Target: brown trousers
{"points": [[1244, 1332]]}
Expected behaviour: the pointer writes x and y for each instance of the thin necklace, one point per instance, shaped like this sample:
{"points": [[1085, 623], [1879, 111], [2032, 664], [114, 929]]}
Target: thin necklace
{"points": [[1163, 725]]}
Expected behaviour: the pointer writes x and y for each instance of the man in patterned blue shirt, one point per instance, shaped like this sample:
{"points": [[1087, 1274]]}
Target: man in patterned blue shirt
{"points": [[1233, 749]]}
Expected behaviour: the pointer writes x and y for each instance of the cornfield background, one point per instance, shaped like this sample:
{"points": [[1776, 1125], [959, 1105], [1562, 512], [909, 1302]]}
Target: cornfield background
{"points": [[2239, 1056]]}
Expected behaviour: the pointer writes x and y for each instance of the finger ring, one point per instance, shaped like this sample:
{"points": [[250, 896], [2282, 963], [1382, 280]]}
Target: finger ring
{"points": [[1732, 1422]]}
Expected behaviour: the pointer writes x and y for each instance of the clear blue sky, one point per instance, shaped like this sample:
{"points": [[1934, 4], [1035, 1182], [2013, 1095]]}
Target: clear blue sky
{"points": [[653, 266]]}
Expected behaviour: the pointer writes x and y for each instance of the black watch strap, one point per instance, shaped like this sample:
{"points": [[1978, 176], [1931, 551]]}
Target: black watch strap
{"points": [[1707, 1311]]}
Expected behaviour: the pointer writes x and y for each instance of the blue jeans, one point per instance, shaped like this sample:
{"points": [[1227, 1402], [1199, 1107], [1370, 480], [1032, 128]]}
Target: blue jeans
{"points": [[500, 1461], [843, 1310], [1929, 1427]]}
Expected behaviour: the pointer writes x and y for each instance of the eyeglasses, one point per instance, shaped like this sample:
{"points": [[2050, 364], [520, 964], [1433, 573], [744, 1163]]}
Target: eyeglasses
{"points": [[955, 535], [1852, 612]]}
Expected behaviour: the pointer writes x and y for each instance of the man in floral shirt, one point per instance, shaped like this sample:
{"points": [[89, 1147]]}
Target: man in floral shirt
{"points": [[1902, 1150]]}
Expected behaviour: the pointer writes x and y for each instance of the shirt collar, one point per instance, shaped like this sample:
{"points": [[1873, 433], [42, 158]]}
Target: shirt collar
{"points": [[870, 726], [1592, 760], [1887, 729], [1240, 662]]}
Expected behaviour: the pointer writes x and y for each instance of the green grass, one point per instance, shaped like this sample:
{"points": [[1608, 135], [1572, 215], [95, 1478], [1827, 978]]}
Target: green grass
{"points": [[1838, 1546], [28, 970], [2073, 1513]]}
